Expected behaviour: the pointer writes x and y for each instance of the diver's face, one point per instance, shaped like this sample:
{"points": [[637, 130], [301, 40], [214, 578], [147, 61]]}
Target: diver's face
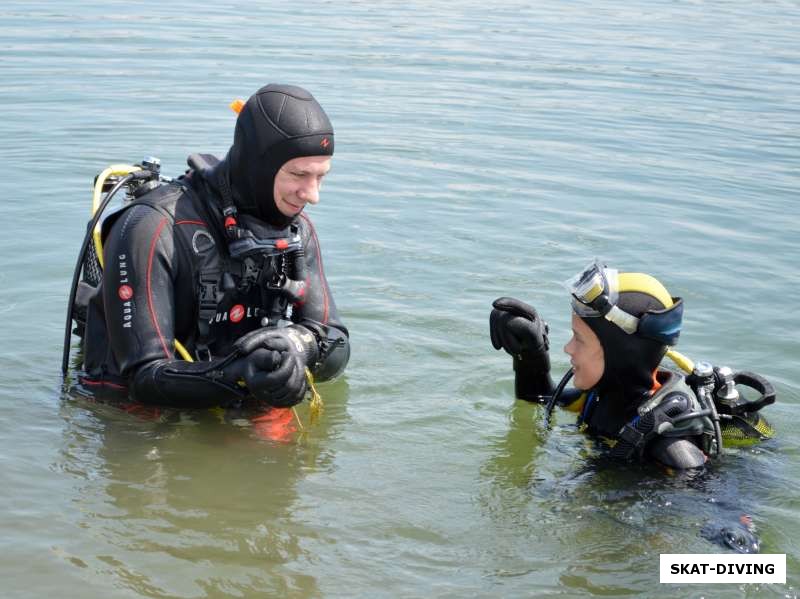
{"points": [[298, 182], [586, 354]]}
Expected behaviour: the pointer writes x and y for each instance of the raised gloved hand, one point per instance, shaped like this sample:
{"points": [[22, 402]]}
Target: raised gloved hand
{"points": [[275, 363], [516, 327]]}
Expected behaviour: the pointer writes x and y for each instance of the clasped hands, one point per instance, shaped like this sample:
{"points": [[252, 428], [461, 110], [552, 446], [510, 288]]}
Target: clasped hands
{"points": [[273, 363]]}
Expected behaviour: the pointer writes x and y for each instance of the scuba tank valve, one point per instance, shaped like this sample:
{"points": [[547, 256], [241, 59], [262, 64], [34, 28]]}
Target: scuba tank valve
{"points": [[703, 375], [726, 393], [730, 401], [735, 418]]}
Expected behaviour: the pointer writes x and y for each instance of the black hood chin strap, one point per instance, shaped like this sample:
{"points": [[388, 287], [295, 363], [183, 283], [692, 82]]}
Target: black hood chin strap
{"points": [[234, 229], [229, 211], [231, 202]]}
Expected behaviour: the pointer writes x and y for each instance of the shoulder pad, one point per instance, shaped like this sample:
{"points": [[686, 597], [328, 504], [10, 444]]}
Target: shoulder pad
{"points": [[202, 162], [162, 199]]}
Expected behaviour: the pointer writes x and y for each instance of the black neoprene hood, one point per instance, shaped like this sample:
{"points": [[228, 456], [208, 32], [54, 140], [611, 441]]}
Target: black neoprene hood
{"points": [[278, 123], [629, 359]]}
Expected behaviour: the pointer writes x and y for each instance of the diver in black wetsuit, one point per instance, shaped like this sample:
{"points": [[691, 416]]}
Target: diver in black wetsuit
{"points": [[623, 324], [224, 262]]}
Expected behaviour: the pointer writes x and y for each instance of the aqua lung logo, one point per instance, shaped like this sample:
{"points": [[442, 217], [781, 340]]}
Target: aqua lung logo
{"points": [[236, 314], [125, 292]]}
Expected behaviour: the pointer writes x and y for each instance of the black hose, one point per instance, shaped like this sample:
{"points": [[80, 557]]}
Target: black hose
{"points": [[299, 265], [717, 427], [707, 403], [556, 394], [79, 267]]}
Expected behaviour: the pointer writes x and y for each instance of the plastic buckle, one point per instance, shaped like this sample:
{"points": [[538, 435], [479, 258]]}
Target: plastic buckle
{"points": [[631, 435]]}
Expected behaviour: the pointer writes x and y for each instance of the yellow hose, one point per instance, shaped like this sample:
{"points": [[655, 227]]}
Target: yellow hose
{"points": [[681, 361], [182, 352], [119, 170]]}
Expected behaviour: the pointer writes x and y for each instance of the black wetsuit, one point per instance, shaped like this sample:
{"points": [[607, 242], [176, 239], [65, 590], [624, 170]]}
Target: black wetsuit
{"points": [[609, 414], [156, 251]]}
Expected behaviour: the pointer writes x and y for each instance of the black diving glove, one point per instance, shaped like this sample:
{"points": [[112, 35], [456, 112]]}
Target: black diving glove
{"points": [[516, 327], [267, 364], [276, 363]]}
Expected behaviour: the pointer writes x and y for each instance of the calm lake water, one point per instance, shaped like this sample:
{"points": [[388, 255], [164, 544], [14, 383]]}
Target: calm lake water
{"points": [[481, 151]]}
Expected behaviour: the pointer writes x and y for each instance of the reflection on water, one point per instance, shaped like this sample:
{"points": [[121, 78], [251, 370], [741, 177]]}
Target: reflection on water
{"points": [[204, 500]]}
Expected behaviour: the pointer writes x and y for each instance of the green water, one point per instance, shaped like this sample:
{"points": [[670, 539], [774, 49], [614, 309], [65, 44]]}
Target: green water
{"points": [[481, 151]]}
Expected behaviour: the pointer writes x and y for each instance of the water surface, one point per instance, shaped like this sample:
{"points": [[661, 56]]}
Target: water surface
{"points": [[481, 151]]}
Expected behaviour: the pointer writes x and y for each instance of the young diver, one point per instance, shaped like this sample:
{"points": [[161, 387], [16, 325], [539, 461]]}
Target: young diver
{"points": [[623, 324]]}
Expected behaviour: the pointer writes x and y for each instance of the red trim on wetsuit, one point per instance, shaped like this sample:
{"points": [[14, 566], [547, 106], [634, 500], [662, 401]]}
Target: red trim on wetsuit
{"points": [[321, 269], [91, 383], [191, 222], [153, 242]]}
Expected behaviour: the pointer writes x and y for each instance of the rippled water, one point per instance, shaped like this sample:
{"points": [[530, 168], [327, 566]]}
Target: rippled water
{"points": [[481, 151]]}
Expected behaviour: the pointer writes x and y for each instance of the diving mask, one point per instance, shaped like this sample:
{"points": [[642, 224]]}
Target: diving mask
{"points": [[595, 292]]}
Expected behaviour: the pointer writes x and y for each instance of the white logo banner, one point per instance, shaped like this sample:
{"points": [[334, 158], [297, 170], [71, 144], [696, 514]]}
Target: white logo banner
{"points": [[685, 568]]}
